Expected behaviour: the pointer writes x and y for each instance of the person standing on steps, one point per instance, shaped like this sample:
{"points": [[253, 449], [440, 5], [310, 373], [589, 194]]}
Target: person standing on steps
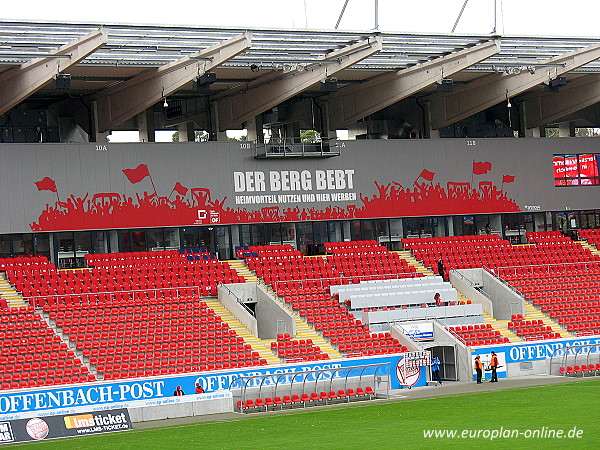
{"points": [[441, 268]]}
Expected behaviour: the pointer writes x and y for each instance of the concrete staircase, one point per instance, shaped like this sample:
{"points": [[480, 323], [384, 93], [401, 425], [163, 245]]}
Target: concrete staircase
{"points": [[532, 313], [502, 327], [263, 347], [410, 259], [8, 293], [239, 265], [591, 247]]}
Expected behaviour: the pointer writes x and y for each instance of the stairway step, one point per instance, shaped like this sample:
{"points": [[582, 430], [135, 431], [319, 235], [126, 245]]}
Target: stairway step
{"points": [[502, 327], [13, 298], [256, 343]]}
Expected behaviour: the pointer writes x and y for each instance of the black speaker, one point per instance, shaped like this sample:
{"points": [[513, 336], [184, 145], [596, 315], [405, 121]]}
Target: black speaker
{"points": [[329, 85], [207, 78], [558, 82], [62, 81], [445, 85]]}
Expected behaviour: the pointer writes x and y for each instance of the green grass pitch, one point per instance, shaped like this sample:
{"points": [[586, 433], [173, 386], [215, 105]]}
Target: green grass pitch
{"points": [[398, 424]]}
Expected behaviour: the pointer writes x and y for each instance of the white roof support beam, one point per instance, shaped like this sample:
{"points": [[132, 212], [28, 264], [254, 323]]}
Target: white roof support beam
{"points": [[20, 82], [356, 102], [125, 100], [495, 88], [272, 89], [553, 106]]}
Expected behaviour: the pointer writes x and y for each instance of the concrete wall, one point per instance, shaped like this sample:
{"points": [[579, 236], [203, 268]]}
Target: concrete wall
{"points": [[229, 295], [505, 300], [186, 409], [524, 368], [465, 281], [269, 314], [411, 345], [462, 352]]}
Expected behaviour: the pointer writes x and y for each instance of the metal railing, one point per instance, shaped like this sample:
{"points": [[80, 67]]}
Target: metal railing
{"points": [[306, 381], [561, 357], [295, 147]]}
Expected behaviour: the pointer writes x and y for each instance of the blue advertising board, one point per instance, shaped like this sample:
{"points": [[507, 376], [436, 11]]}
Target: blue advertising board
{"points": [[130, 392], [530, 351]]}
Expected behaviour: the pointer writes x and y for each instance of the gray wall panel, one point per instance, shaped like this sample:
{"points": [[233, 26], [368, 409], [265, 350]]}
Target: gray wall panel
{"points": [[80, 170]]}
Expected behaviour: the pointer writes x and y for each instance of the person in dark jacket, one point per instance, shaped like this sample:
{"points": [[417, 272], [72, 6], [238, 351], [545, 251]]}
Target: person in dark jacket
{"points": [[178, 392], [441, 268]]}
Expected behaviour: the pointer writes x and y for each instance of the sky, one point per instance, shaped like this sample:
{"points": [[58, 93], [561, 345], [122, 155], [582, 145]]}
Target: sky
{"points": [[513, 17]]}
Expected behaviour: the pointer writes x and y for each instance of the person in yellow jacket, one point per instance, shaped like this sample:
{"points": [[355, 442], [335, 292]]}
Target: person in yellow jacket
{"points": [[478, 369], [494, 367]]}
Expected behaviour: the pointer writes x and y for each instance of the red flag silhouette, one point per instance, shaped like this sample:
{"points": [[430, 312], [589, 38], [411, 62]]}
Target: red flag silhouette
{"points": [[427, 175], [479, 168], [138, 174], [181, 190], [47, 184], [508, 178]]}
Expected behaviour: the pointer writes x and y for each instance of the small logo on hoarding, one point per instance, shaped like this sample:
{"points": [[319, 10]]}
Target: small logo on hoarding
{"points": [[407, 374], [6, 434], [80, 421], [37, 428]]}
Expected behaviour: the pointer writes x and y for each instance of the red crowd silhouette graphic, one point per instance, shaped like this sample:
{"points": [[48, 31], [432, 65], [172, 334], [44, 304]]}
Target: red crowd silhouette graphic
{"points": [[195, 206]]}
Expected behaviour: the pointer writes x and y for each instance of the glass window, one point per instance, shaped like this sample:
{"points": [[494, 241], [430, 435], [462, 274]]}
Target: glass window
{"points": [[83, 246], [99, 242], [23, 244], [5, 246], [320, 237], [514, 228], [346, 233], [66, 250], [41, 243], [383, 232], [573, 222], [368, 230], [274, 233], [125, 242], [138, 240], [155, 239], [190, 238], [355, 231], [235, 236], [171, 238], [305, 238], [469, 225], [223, 248], [335, 231], [245, 235], [396, 229], [207, 238], [113, 241], [257, 234], [289, 234]]}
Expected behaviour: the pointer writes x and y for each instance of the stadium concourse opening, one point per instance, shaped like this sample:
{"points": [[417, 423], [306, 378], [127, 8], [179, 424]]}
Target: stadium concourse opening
{"points": [[311, 387]]}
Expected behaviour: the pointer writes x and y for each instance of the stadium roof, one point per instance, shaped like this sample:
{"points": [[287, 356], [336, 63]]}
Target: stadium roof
{"points": [[105, 61], [141, 46]]}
